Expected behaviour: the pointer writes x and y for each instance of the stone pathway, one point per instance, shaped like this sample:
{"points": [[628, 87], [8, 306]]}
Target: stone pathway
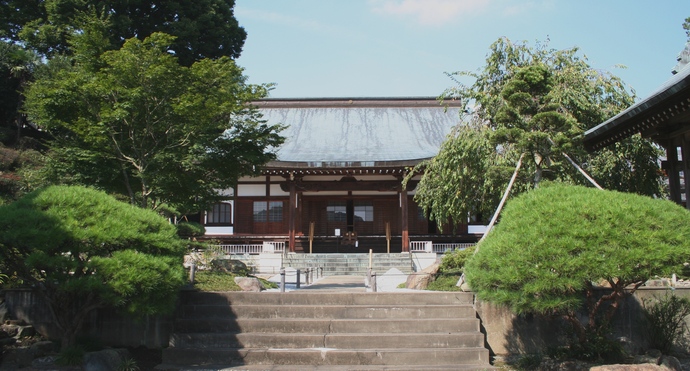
{"points": [[338, 283]]}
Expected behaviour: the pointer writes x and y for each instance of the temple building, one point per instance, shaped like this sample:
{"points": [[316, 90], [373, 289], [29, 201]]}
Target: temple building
{"points": [[664, 117], [336, 185]]}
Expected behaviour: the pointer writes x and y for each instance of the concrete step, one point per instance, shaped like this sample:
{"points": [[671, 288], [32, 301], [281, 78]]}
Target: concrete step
{"points": [[193, 298], [294, 340], [327, 356], [334, 326], [334, 264], [328, 311], [478, 367], [326, 330]]}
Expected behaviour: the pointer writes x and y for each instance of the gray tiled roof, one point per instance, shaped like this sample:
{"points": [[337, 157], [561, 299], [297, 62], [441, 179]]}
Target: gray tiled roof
{"points": [[359, 132]]}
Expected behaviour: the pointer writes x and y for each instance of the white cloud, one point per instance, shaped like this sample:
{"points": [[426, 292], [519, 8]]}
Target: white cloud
{"points": [[430, 12]]}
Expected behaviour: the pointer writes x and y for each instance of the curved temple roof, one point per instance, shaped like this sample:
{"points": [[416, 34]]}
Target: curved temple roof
{"points": [[663, 112], [359, 132]]}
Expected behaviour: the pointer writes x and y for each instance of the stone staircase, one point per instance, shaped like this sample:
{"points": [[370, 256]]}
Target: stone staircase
{"points": [[350, 264], [326, 331]]}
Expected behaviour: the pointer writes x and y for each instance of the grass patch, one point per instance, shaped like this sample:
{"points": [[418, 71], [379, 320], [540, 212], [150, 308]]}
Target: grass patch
{"points": [[208, 280], [217, 280], [445, 282], [268, 284]]}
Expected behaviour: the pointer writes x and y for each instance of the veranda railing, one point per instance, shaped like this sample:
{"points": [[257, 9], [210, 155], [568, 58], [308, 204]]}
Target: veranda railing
{"points": [[429, 246], [266, 247]]}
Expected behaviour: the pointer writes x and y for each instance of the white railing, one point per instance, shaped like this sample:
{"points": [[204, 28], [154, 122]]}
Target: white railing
{"points": [[443, 247], [267, 247], [429, 246], [419, 246]]}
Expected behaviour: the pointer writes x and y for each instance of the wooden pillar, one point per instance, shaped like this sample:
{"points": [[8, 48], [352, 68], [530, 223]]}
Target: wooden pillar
{"points": [[672, 171], [685, 150], [292, 215], [404, 225]]}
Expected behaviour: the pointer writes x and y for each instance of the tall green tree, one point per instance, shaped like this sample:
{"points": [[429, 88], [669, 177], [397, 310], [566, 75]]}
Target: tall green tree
{"points": [[20, 141], [538, 101], [204, 28], [134, 121], [81, 250]]}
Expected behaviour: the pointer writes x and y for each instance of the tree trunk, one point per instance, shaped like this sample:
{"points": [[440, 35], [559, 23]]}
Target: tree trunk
{"points": [[537, 176]]}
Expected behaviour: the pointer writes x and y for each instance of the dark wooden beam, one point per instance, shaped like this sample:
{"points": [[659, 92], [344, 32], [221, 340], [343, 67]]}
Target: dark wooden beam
{"points": [[358, 185]]}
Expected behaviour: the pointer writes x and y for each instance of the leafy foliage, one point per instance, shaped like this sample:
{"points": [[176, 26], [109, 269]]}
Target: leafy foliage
{"points": [[464, 178], [190, 229], [203, 28], [444, 282], [456, 260], [135, 122], [82, 250], [72, 356], [537, 101], [555, 243], [666, 321]]}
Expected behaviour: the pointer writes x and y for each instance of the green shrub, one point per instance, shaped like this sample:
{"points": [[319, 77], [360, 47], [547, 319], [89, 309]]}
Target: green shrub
{"points": [[553, 243], [444, 282], [70, 356], [129, 364], [665, 321], [190, 229], [83, 247], [212, 280], [268, 284], [529, 361], [454, 261]]}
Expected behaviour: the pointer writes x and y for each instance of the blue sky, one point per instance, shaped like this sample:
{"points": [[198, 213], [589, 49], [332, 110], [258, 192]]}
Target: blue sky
{"points": [[396, 48]]}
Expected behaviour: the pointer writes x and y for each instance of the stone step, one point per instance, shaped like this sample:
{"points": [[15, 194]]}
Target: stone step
{"points": [[311, 325], [478, 367], [346, 260], [193, 298], [326, 330], [327, 311], [295, 340], [327, 356]]}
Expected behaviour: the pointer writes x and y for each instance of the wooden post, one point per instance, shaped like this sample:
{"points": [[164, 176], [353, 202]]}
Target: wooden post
{"points": [[404, 225], [311, 236], [388, 237], [291, 215], [672, 171], [685, 150]]}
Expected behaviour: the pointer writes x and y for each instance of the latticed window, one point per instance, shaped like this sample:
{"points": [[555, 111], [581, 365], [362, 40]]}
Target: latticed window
{"points": [[220, 213], [364, 212], [271, 211], [336, 211]]}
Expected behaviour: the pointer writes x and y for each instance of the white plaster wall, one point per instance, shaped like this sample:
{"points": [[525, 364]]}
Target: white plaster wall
{"points": [[219, 231], [276, 191], [245, 190]]}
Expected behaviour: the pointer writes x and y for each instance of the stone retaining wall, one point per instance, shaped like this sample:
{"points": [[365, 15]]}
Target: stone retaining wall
{"points": [[507, 333], [107, 325]]}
